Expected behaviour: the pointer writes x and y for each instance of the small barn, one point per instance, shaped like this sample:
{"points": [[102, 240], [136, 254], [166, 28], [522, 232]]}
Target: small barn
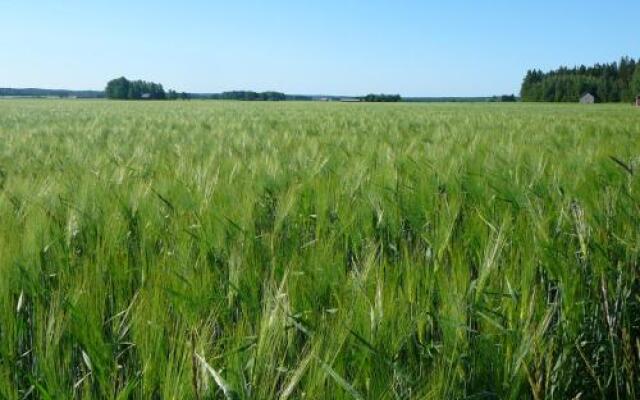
{"points": [[145, 96], [587, 98]]}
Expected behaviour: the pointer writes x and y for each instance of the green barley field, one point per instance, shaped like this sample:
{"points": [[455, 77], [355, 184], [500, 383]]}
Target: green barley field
{"points": [[205, 250]]}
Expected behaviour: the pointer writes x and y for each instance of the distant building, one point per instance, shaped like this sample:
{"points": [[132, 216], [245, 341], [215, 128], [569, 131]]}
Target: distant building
{"points": [[145, 96], [638, 101], [587, 98]]}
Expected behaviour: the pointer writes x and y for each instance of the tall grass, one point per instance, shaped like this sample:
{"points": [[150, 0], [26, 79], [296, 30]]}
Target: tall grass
{"points": [[294, 250]]}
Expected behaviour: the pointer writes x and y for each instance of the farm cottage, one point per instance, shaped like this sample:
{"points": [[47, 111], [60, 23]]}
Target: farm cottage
{"points": [[587, 98]]}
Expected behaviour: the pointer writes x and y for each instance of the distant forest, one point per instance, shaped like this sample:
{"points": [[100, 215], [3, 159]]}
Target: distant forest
{"points": [[609, 83], [34, 92], [125, 89], [249, 96], [381, 98]]}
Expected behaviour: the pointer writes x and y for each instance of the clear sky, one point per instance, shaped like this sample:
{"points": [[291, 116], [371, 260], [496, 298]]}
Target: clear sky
{"points": [[348, 47]]}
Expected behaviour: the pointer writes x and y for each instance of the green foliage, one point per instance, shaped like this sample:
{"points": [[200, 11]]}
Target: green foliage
{"points": [[635, 82], [609, 83], [123, 89], [32, 92], [505, 98], [199, 250], [250, 96], [382, 98], [173, 95]]}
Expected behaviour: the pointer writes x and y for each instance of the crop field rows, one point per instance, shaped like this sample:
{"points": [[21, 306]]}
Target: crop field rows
{"points": [[202, 249]]}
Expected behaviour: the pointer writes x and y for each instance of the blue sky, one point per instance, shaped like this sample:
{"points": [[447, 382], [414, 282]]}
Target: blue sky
{"points": [[415, 48]]}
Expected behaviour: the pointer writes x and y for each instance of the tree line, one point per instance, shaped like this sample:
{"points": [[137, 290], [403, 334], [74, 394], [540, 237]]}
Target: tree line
{"points": [[124, 89], [173, 95], [381, 98], [34, 92], [246, 95], [609, 83], [505, 98]]}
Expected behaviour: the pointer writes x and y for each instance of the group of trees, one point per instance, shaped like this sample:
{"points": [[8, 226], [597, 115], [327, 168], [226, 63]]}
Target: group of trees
{"points": [[615, 82], [246, 95], [381, 98], [173, 95], [277, 96], [33, 92], [124, 89], [505, 98]]}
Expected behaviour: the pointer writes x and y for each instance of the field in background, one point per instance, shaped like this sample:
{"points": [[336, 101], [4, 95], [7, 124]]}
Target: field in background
{"points": [[310, 250]]}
